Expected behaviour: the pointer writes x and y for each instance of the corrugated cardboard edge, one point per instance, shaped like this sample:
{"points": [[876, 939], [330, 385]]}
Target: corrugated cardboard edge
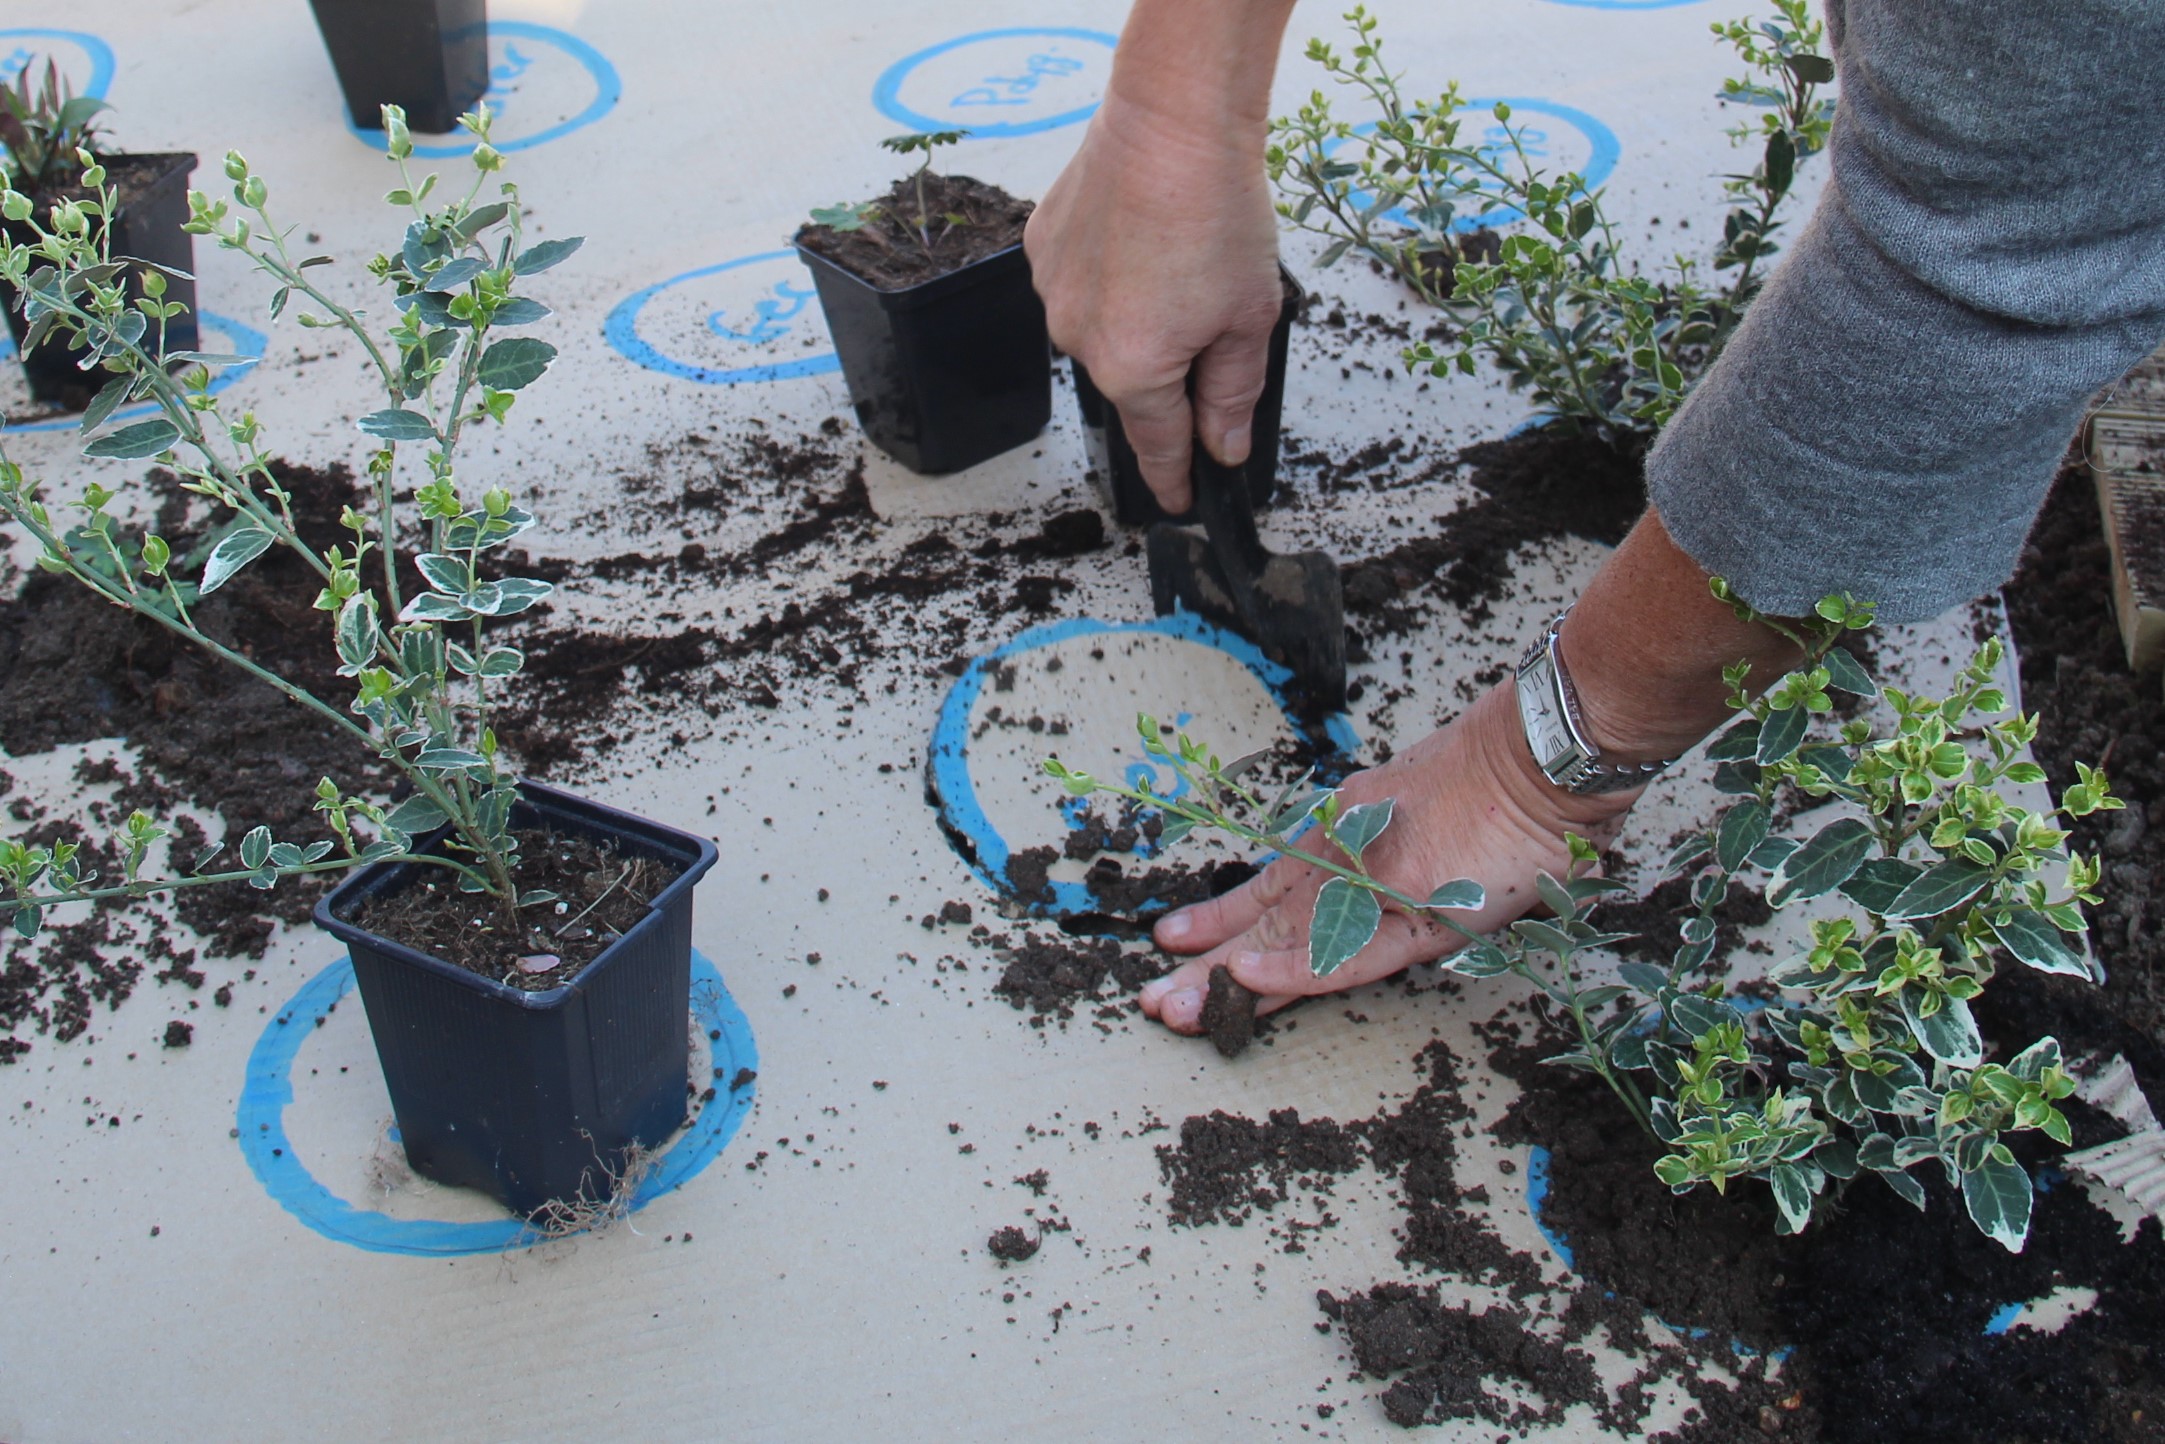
{"points": [[2117, 442]]}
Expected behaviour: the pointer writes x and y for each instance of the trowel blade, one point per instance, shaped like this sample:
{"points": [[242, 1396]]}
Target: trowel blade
{"points": [[1300, 607]]}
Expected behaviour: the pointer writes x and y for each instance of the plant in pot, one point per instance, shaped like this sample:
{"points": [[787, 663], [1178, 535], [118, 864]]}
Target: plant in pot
{"points": [[1597, 343], [1112, 456], [1931, 878], [927, 292], [430, 58], [50, 134], [523, 954]]}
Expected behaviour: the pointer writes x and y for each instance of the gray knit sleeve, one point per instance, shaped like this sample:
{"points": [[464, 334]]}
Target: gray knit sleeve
{"points": [[1989, 252]]}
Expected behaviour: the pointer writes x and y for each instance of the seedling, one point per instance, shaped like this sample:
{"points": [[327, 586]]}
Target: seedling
{"points": [[1554, 305], [1928, 881], [422, 661], [924, 143], [46, 128]]}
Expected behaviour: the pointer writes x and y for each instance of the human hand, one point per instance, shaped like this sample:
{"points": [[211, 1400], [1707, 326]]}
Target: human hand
{"points": [[1469, 802], [1156, 253]]}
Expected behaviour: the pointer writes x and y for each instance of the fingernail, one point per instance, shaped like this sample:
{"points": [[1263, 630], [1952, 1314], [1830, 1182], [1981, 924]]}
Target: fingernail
{"points": [[1235, 446], [1242, 962], [1173, 927], [1183, 1006], [1156, 988]]}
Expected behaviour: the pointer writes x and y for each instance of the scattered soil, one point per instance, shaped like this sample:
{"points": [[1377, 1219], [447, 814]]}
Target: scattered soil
{"points": [[1225, 1167], [1048, 977], [1447, 1359], [601, 895], [966, 220], [1537, 485]]}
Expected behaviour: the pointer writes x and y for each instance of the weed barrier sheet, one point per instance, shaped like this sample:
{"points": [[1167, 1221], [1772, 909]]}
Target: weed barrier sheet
{"points": [[220, 1240]]}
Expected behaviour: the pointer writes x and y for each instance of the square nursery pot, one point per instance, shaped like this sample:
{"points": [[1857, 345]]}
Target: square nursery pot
{"points": [[534, 1096], [429, 56], [150, 207], [1112, 459], [946, 373]]}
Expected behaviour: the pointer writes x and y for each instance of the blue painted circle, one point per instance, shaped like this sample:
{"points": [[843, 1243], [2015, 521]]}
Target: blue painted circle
{"points": [[960, 811], [244, 341], [608, 90], [269, 1089], [622, 332], [97, 51], [887, 90], [1603, 151]]}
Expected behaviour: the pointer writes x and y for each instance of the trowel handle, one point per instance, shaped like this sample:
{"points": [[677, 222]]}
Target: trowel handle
{"points": [[1227, 510]]}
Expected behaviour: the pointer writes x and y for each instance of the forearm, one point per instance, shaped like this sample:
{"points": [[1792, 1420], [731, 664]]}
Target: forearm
{"points": [[1646, 645], [1200, 70]]}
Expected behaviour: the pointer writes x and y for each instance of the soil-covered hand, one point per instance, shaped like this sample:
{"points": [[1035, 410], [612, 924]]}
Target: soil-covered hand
{"points": [[1469, 804], [1156, 252]]}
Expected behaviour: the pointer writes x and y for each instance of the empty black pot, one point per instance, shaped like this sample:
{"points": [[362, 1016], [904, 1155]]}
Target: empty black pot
{"points": [[531, 1097], [946, 373], [1112, 459], [150, 207], [429, 56]]}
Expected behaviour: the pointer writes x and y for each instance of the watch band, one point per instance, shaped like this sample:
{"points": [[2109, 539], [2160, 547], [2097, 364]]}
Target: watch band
{"points": [[1555, 733]]}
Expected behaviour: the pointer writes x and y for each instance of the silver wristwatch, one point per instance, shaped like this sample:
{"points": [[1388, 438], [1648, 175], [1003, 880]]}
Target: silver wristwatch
{"points": [[1549, 710]]}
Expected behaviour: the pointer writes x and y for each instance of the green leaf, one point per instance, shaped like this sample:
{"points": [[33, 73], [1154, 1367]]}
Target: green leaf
{"points": [[357, 631], [1950, 1034], [1791, 1195], [537, 258], [1781, 161], [109, 399], [1780, 734], [1844, 673], [1821, 865], [1360, 825], [416, 815], [520, 311], [1742, 828], [1698, 1015], [1998, 1196], [256, 847], [1477, 960], [1463, 894], [501, 662], [445, 574], [1879, 881], [1938, 889], [1900, 1181], [2031, 936], [1811, 69], [481, 218], [1647, 978], [241, 546], [1737, 744], [139, 442], [451, 759], [511, 364], [397, 424], [453, 274], [1345, 919]]}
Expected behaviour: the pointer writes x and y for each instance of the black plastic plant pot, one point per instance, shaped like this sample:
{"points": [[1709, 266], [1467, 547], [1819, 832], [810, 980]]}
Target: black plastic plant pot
{"points": [[946, 373], [1112, 459], [430, 57], [531, 1097], [151, 206]]}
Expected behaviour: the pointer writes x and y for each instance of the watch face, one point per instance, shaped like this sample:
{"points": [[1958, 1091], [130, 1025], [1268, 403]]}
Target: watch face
{"points": [[1547, 732]]}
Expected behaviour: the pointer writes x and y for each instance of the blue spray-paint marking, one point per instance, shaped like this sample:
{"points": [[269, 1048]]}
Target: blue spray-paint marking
{"points": [[2003, 1318], [981, 844], [1603, 152], [994, 91], [268, 1091], [622, 331], [99, 54], [502, 91], [241, 340]]}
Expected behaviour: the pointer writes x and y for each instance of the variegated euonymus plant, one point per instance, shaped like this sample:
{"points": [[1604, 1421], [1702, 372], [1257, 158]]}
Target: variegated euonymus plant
{"points": [[1554, 304], [1929, 879], [422, 663]]}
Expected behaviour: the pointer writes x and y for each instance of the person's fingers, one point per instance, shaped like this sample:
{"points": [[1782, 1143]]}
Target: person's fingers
{"points": [[1261, 963], [1161, 427], [1229, 378], [1199, 927]]}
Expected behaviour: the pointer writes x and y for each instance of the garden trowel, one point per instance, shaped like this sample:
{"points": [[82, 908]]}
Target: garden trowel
{"points": [[1291, 607]]}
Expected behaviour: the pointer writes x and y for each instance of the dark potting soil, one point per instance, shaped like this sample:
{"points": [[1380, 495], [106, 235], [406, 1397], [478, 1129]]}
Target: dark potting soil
{"points": [[1228, 1013], [1011, 1244], [600, 895], [1049, 977], [1539, 484], [963, 221]]}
